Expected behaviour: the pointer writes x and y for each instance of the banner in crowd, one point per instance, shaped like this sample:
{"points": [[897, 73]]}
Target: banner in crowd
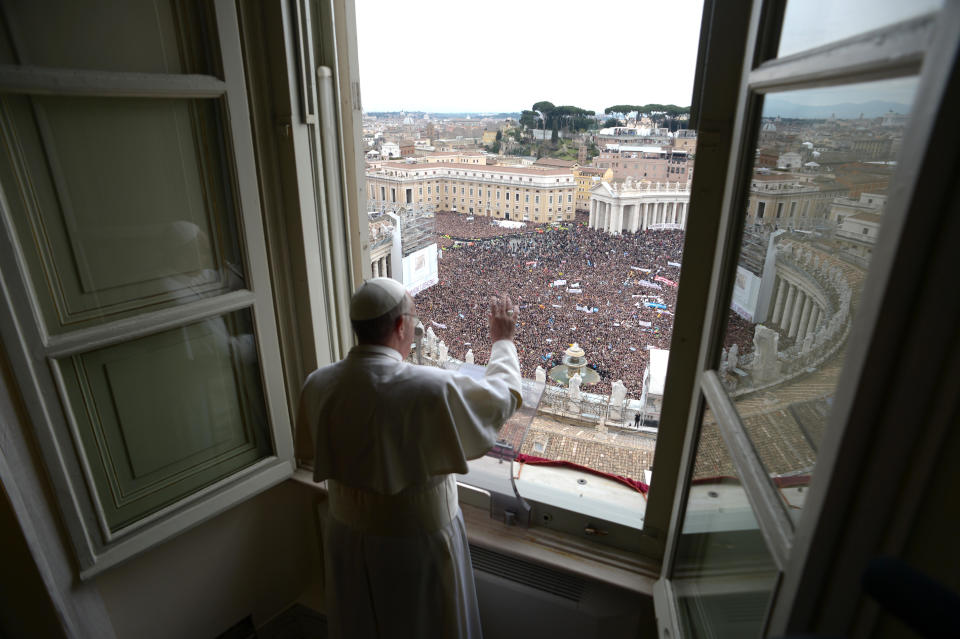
{"points": [[664, 280], [665, 226], [655, 305], [531, 263], [648, 284], [637, 268], [574, 290], [646, 324], [587, 309], [438, 324], [677, 264], [559, 283]]}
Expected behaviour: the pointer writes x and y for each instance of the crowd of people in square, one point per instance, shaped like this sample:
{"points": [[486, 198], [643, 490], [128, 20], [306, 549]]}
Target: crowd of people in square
{"points": [[615, 295]]}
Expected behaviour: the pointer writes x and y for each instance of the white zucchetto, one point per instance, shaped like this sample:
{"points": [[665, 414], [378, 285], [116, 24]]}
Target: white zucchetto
{"points": [[375, 297]]}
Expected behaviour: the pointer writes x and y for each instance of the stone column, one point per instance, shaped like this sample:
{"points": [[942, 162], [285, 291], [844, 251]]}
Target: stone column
{"points": [[812, 322], [804, 318], [787, 306], [375, 267], [593, 212], [643, 216], [618, 219], [778, 305], [795, 314]]}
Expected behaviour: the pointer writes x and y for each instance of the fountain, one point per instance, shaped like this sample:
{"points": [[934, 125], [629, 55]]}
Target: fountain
{"points": [[574, 363]]}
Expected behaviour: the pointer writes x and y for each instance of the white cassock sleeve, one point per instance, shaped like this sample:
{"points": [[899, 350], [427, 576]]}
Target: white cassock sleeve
{"points": [[477, 409]]}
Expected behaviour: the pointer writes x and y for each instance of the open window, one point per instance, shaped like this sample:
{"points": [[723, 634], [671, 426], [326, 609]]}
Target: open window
{"points": [[138, 308], [762, 454]]}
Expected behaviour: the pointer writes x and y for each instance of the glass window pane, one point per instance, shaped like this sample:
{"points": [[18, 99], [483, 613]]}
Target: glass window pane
{"points": [[160, 417], [814, 210], [162, 36], [723, 574], [120, 205], [812, 23]]}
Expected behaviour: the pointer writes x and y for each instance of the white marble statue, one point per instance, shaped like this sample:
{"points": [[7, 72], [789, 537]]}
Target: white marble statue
{"points": [[733, 357], [442, 353], [541, 375], [431, 342], [469, 356], [573, 388], [618, 393], [766, 366]]}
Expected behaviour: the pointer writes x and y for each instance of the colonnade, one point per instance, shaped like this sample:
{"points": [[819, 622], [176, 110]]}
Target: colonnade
{"points": [[637, 215], [795, 311], [381, 267]]}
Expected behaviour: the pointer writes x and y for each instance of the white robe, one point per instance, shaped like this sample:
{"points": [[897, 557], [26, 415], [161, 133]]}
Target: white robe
{"points": [[387, 437]]}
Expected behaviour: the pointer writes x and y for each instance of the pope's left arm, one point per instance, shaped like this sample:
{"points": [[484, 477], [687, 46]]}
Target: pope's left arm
{"points": [[479, 408]]}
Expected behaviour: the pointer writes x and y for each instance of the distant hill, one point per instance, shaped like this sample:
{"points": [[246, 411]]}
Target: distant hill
{"points": [[847, 110]]}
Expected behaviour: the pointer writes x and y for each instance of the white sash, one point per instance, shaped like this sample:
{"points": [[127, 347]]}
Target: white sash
{"points": [[416, 509]]}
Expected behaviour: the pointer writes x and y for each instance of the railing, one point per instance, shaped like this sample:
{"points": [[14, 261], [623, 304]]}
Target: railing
{"points": [[589, 409]]}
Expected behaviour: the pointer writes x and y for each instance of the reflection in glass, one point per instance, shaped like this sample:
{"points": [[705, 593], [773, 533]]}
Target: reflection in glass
{"points": [[813, 213], [162, 416], [812, 23], [723, 575], [120, 205]]}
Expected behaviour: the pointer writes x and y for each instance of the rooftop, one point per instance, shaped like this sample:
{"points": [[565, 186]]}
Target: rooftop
{"points": [[473, 168]]}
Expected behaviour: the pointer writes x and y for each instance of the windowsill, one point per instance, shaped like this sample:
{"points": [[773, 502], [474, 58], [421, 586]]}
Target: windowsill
{"points": [[550, 548]]}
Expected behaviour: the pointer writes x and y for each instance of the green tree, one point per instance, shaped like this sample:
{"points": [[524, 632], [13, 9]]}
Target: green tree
{"points": [[550, 117], [611, 122], [529, 119], [622, 109], [499, 135]]}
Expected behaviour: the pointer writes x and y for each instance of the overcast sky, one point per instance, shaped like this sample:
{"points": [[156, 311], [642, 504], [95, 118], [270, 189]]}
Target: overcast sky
{"points": [[504, 55]]}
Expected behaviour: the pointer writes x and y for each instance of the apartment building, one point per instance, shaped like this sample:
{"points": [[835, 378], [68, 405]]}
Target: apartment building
{"points": [[586, 177], [648, 163], [504, 192]]}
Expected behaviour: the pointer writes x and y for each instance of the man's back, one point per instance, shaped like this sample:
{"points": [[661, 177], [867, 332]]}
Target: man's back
{"points": [[387, 437], [382, 424]]}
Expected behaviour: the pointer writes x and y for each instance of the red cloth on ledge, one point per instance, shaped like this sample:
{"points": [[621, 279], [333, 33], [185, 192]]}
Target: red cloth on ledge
{"points": [[639, 486]]}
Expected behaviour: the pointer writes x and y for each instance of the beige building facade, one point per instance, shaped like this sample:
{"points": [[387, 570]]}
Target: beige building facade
{"points": [[587, 177], [502, 192], [786, 200]]}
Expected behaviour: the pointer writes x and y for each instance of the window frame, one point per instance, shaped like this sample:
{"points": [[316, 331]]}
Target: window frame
{"points": [[897, 50], [33, 353]]}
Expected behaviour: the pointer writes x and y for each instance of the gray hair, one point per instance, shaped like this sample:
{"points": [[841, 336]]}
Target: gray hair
{"points": [[378, 329]]}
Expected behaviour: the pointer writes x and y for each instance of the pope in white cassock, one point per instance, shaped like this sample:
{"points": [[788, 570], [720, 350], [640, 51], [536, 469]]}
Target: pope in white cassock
{"points": [[388, 437]]}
